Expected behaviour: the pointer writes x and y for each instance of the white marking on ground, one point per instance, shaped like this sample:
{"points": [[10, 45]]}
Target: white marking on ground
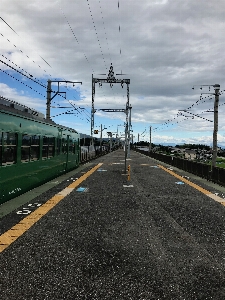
{"points": [[215, 197], [65, 192]]}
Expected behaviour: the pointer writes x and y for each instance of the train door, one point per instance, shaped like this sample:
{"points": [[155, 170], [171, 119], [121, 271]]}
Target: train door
{"points": [[77, 151], [65, 150]]}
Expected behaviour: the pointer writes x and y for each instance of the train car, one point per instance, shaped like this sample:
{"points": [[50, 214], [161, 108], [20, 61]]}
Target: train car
{"points": [[33, 150]]}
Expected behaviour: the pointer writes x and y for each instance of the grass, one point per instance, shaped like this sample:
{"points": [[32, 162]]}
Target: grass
{"points": [[220, 162]]}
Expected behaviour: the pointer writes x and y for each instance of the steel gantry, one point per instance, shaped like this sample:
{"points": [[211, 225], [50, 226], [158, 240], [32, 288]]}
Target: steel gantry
{"points": [[111, 80]]}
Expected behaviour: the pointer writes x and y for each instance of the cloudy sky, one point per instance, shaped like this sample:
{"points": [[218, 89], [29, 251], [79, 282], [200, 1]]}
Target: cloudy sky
{"points": [[165, 47]]}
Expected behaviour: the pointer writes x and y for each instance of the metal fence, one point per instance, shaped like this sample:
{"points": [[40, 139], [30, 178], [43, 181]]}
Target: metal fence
{"points": [[217, 175]]}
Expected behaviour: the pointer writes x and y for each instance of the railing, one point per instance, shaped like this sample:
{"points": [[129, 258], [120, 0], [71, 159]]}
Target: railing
{"points": [[217, 175]]}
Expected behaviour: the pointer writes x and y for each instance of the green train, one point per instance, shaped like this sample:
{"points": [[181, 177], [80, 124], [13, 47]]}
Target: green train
{"points": [[32, 150]]}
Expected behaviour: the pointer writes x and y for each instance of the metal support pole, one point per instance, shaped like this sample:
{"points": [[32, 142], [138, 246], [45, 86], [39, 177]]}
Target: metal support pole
{"points": [[92, 108], [130, 107], [111, 80], [125, 164], [150, 138], [216, 104], [48, 103], [101, 140], [126, 129], [49, 98], [110, 143]]}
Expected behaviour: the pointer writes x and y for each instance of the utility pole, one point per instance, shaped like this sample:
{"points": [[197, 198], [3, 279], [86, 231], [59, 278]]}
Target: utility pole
{"points": [[48, 100], [150, 138], [216, 104], [128, 154], [49, 97], [127, 133], [110, 141], [101, 138], [215, 130]]}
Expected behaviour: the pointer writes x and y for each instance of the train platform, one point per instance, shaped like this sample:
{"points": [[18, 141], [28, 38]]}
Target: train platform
{"points": [[99, 233]]}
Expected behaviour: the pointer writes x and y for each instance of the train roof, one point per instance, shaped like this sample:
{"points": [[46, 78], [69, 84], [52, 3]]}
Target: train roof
{"points": [[25, 112]]}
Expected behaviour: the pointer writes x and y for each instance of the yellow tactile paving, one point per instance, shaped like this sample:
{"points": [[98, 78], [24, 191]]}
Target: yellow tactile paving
{"points": [[3, 247], [17, 230], [197, 187]]}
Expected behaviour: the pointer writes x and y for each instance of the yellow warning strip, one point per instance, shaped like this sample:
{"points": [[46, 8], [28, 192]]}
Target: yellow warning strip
{"points": [[17, 230], [197, 187]]}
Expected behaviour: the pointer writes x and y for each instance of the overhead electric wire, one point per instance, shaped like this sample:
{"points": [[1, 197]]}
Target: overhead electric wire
{"points": [[188, 111], [120, 36], [9, 26], [76, 39], [45, 61], [105, 30], [21, 82], [28, 56], [77, 110], [29, 77], [96, 33], [34, 79]]}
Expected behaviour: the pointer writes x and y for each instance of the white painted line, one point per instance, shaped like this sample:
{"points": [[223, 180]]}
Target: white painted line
{"points": [[65, 192], [215, 197]]}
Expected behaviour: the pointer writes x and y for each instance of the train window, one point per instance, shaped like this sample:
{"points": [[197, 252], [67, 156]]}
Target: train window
{"points": [[64, 145], [48, 147], [71, 146], [1, 148], [35, 147], [9, 148], [51, 146], [30, 147], [45, 147], [58, 146]]}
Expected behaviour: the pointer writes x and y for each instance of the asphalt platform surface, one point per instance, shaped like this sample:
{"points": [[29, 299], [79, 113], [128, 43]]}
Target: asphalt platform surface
{"points": [[152, 237]]}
